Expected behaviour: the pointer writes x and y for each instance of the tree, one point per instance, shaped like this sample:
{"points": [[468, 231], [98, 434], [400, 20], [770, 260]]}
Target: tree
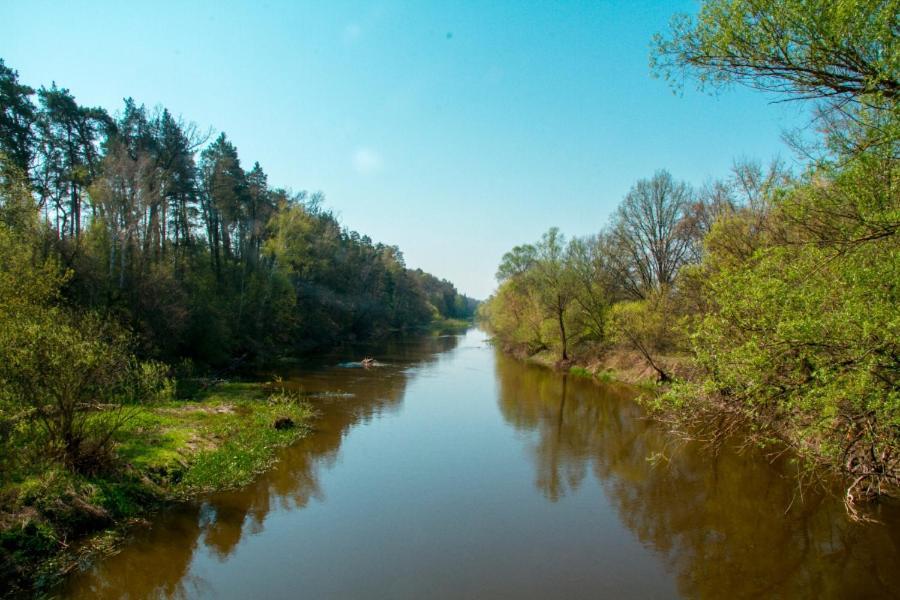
{"points": [[516, 262], [17, 115], [803, 333], [810, 49], [224, 199], [542, 270], [121, 195], [192, 253], [555, 282], [177, 143], [646, 326], [69, 155], [28, 283], [798, 325], [66, 372], [651, 235], [259, 210], [443, 297], [593, 286], [842, 55], [71, 375]]}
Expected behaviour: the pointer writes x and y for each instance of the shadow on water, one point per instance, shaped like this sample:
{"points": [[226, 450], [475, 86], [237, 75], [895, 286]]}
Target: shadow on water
{"points": [[728, 524]]}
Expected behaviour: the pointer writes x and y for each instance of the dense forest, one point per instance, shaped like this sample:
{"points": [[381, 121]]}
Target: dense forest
{"points": [[135, 251], [161, 227], [140, 233], [768, 299]]}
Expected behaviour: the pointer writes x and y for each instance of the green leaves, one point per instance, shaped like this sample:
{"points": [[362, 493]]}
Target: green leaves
{"points": [[822, 49], [806, 330]]}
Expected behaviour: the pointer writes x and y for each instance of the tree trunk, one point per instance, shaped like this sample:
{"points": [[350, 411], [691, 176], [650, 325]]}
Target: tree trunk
{"points": [[661, 376], [562, 331]]}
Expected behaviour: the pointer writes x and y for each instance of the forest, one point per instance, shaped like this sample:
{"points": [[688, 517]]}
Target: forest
{"points": [[138, 253], [767, 300], [160, 300]]}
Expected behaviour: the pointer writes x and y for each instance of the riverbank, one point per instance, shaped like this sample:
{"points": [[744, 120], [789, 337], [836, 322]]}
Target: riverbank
{"points": [[849, 467], [611, 364], [443, 470], [52, 520], [450, 326]]}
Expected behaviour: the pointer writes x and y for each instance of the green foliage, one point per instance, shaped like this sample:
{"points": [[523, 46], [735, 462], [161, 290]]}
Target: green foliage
{"points": [[544, 301], [128, 243], [195, 255], [564, 296], [443, 297], [648, 326], [581, 372], [784, 290], [804, 332], [17, 117], [346, 286], [68, 378], [810, 48], [795, 322], [62, 372], [167, 450]]}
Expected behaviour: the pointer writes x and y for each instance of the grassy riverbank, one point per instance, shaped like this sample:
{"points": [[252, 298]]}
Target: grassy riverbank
{"points": [[52, 518], [450, 326]]}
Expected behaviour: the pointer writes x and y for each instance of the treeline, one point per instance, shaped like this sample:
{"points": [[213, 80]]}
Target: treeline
{"points": [[778, 293], [134, 247], [575, 297], [164, 229]]}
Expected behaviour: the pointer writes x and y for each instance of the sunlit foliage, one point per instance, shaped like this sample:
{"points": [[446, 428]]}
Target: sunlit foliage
{"points": [[784, 289]]}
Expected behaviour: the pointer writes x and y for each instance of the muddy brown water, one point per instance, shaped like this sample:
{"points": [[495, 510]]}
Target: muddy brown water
{"points": [[455, 472]]}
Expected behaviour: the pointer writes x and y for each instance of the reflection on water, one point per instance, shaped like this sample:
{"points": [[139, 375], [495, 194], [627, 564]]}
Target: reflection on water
{"points": [[156, 563], [725, 524], [416, 485]]}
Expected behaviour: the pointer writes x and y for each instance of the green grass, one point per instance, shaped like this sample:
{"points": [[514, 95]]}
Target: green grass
{"points": [[605, 376], [166, 451], [248, 448], [581, 372], [220, 441], [450, 325]]}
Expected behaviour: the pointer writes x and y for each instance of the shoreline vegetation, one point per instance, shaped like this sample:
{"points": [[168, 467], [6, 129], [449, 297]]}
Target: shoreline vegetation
{"points": [[708, 420], [195, 436], [168, 450], [138, 253], [766, 301], [142, 263], [618, 364]]}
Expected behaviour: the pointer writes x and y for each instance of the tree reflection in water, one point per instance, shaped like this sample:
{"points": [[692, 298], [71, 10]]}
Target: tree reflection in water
{"points": [[721, 525], [727, 524], [157, 562]]}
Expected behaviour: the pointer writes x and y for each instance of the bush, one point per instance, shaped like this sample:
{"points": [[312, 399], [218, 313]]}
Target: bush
{"points": [[70, 375], [803, 335], [647, 326]]}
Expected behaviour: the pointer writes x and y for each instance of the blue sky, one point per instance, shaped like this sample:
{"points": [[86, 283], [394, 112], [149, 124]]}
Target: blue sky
{"points": [[455, 130]]}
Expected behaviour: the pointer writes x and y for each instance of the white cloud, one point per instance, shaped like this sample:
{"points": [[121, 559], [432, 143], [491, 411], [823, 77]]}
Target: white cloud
{"points": [[366, 161], [351, 32]]}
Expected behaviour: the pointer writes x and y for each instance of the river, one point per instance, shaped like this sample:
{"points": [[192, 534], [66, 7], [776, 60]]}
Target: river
{"points": [[454, 471]]}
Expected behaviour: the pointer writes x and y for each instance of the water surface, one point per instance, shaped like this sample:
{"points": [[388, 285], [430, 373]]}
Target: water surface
{"points": [[456, 472]]}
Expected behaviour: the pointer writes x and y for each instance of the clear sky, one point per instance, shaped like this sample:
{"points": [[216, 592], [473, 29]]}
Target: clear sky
{"points": [[455, 130]]}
